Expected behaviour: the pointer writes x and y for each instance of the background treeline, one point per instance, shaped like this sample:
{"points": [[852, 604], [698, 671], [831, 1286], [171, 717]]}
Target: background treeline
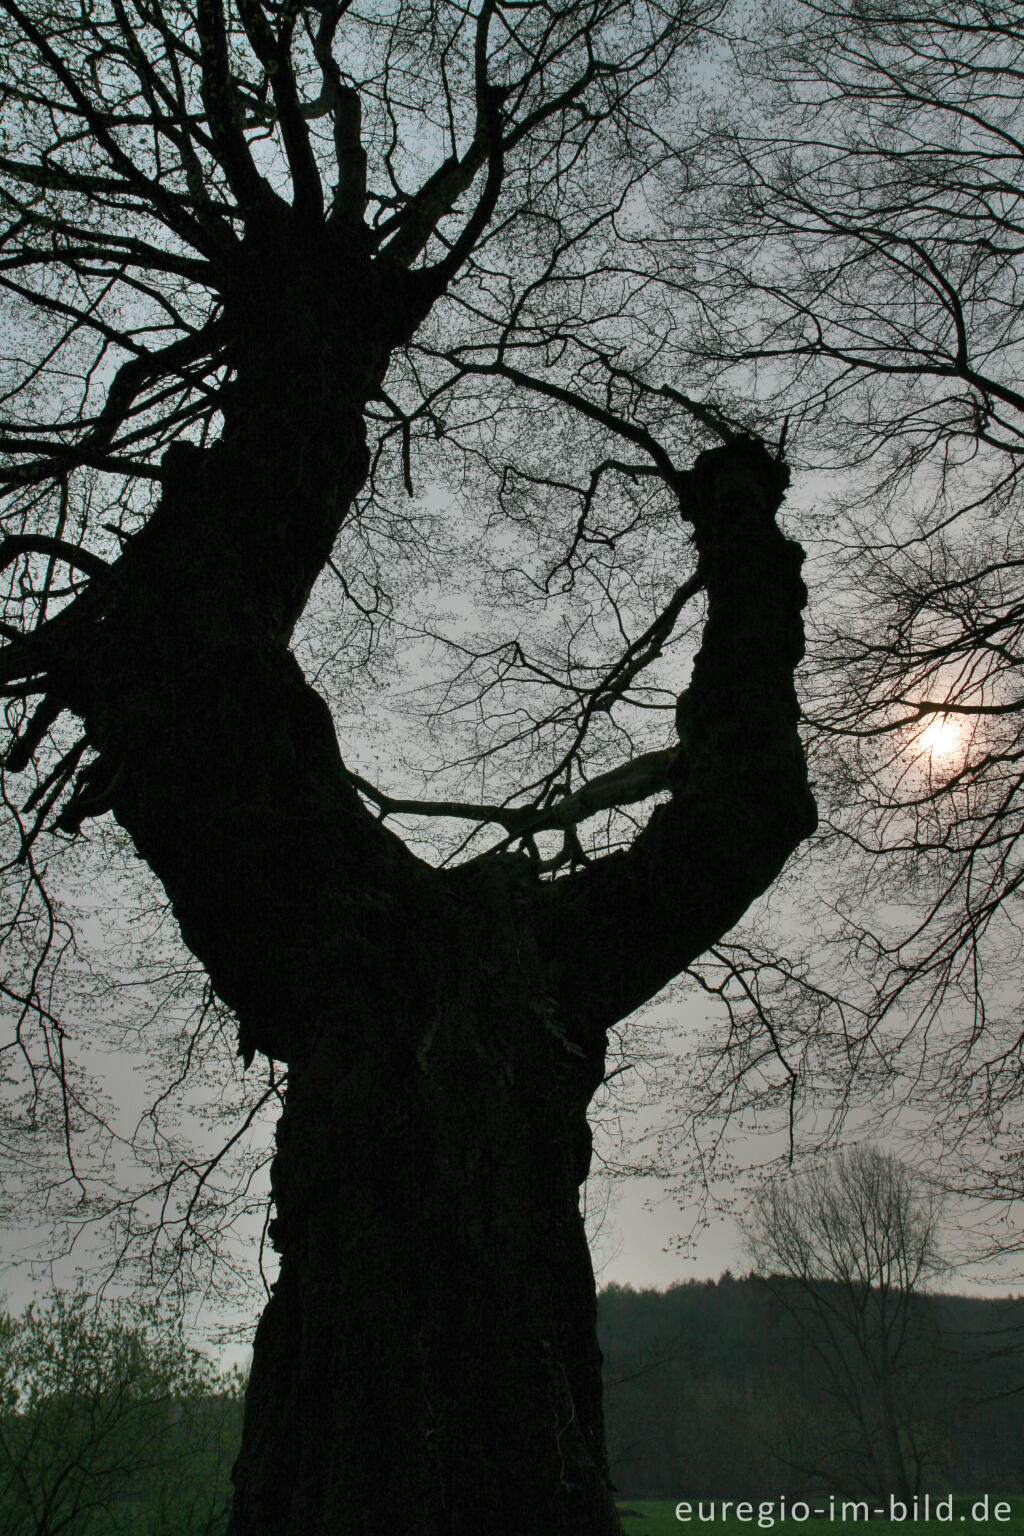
{"points": [[714, 1390], [112, 1425]]}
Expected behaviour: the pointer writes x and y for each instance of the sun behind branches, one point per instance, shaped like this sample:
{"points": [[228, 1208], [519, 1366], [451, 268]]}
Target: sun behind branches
{"points": [[941, 738]]}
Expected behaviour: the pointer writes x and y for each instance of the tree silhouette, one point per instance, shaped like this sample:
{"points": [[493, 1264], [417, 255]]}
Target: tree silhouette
{"points": [[262, 265], [846, 1248]]}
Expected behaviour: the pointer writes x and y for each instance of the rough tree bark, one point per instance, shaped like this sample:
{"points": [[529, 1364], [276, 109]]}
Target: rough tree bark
{"points": [[428, 1361]]}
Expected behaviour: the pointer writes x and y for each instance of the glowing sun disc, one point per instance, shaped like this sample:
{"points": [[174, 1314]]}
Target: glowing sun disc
{"points": [[941, 737]]}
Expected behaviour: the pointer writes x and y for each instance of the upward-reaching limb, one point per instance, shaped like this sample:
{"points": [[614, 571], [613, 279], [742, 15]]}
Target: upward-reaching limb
{"points": [[621, 928]]}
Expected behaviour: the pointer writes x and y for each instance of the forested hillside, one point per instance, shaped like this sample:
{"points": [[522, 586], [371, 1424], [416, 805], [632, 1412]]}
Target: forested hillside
{"points": [[712, 1391]]}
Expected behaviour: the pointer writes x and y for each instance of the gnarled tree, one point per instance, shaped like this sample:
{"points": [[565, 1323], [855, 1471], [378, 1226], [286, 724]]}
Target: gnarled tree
{"points": [[224, 229]]}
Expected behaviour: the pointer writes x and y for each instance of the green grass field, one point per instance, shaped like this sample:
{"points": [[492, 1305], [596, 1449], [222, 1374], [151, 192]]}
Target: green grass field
{"points": [[657, 1517]]}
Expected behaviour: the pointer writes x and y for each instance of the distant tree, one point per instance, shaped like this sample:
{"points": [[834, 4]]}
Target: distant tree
{"points": [[110, 1424], [847, 1248]]}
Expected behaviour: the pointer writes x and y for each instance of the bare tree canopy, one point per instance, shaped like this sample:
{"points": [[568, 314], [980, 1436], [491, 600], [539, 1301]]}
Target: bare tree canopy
{"points": [[856, 268], [345, 299], [862, 1220]]}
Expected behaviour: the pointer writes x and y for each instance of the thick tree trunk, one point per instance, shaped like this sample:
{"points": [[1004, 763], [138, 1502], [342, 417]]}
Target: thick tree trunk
{"points": [[428, 1361]]}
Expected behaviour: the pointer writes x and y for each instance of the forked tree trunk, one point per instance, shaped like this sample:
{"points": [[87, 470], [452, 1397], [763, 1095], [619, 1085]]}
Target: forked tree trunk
{"points": [[428, 1362]]}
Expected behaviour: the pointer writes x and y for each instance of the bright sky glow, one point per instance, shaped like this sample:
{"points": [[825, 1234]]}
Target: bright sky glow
{"points": [[941, 737]]}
